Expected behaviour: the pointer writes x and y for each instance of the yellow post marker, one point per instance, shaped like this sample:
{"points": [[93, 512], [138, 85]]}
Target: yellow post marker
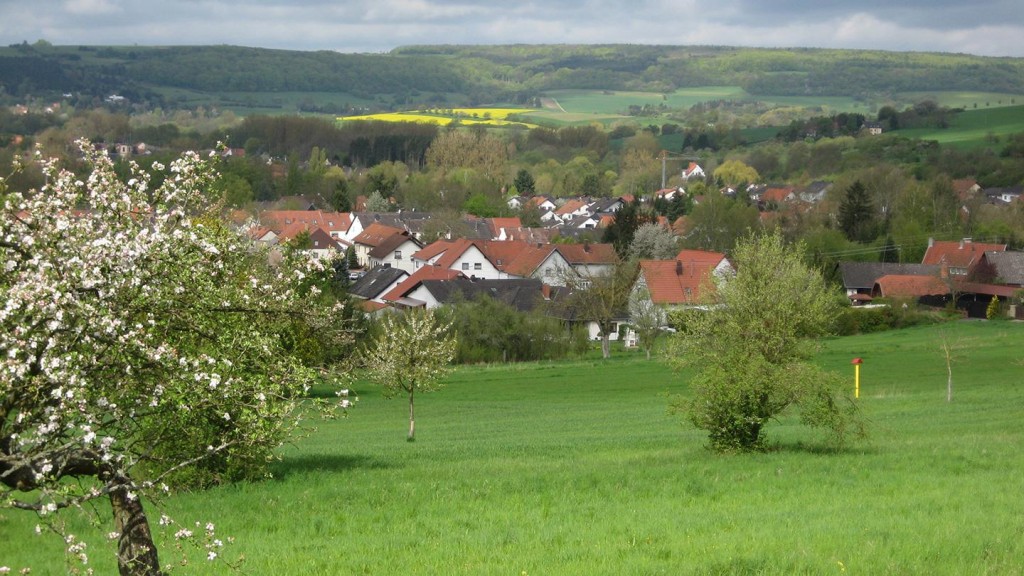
{"points": [[856, 376]]}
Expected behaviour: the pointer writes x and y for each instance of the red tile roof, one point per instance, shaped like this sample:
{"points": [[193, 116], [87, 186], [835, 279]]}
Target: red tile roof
{"points": [[424, 273], [531, 235], [965, 188], [455, 250], [433, 250], [530, 257], [570, 206], [588, 253], [904, 285], [777, 195], [369, 306], [675, 282], [330, 221], [507, 223], [501, 253], [376, 233], [960, 254]]}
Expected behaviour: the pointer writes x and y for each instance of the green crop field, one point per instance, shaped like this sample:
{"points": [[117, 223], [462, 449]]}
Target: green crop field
{"points": [[975, 128], [577, 468]]}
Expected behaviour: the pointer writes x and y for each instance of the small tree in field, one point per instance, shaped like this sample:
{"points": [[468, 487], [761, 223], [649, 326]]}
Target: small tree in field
{"points": [[601, 298], [646, 317], [750, 346], [412, 354], [142, 340]]}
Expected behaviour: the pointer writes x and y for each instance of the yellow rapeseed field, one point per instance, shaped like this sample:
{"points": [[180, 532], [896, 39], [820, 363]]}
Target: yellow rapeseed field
{"points": [[445, 116]]}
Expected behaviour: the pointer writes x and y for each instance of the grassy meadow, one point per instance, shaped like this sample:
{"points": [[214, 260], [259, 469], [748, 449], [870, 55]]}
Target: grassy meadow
{"points": [[975, 127], [577, 468]]}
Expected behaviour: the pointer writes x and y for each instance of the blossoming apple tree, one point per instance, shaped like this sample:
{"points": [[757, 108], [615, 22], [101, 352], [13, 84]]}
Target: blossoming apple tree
{"points": [[413, 354], [140, 339]]}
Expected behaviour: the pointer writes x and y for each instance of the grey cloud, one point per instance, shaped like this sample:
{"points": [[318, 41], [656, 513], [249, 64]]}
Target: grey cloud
{"points": [[988, 27]]}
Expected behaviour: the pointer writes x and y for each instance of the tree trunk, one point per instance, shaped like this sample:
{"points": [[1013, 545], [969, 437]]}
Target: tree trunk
{"points": [[412, 419], [606, 346], [136, 552], [949, 382]]}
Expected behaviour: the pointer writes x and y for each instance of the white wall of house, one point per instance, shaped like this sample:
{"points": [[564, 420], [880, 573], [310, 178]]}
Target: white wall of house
{"points": [[362, 252], [594, 331], [552, 270], [400, 257], [423, 295], [472, 262], [354, 230], [592, 270]]}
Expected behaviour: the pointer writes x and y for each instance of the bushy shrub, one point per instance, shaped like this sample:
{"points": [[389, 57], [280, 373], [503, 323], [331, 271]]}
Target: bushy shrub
{"points": [[854, 320], [491, 331]]}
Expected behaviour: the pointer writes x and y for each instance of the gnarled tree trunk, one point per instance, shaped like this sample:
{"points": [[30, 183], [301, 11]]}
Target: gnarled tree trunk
{"points": [[136, 552]]}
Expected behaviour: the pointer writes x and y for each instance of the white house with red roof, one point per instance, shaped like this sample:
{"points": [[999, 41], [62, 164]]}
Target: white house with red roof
{"points": [[496, 259], [336, 224], [405, 294], [379, 244], [693, 171], [470, 257]]}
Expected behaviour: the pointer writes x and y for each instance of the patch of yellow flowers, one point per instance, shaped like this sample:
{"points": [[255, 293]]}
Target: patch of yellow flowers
{"points": [[445, 116]]}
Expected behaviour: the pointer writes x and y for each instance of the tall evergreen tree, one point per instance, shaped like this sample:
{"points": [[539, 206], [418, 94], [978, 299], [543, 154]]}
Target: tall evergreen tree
{"points": [[524, 183], [857, 214], [620, 232]]}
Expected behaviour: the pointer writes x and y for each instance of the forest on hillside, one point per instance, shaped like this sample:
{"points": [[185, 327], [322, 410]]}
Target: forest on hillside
{"points": [[477, 75]]}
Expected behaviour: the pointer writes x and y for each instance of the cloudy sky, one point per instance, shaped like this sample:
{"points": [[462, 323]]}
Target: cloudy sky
{"points": [[984, 27]]}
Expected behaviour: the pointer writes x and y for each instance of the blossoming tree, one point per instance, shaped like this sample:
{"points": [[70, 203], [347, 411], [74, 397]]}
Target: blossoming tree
{"points": [[412, 354], [141, 338]]}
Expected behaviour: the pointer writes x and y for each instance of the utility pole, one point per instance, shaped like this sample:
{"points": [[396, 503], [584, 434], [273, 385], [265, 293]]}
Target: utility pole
{"points": [[664, 157]]}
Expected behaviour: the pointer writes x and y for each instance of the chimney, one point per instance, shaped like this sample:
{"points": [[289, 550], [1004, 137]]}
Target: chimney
{"points": [[679, 268], [931, 241]]}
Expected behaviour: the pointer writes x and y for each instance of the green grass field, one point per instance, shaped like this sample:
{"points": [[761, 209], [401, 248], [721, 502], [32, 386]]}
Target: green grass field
{"points": [[577, 468], [975, 128], [606, 105]]}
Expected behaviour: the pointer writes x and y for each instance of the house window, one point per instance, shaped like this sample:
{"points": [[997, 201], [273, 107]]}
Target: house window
{"points": [[613, 328], [465, 265], [477, 266], [398, 254]]}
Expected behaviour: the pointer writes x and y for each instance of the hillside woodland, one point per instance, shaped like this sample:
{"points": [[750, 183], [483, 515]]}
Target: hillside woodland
{"points": [[427, 76]]}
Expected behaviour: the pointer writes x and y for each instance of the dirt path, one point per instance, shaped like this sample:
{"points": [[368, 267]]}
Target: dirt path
{"points": [[552, 104]]}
